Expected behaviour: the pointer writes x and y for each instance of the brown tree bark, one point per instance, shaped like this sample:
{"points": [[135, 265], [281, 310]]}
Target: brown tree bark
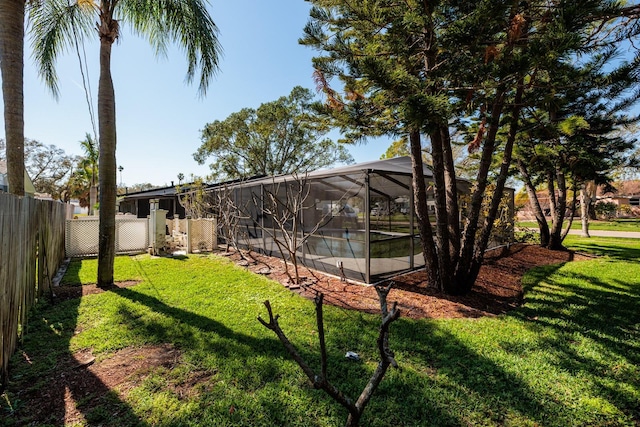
{"points": [[483, 242], [12, 69], [555, 241], [108, 31], [473, 222], [422, 211], [442, 221], [572, 211], [321, 380], [451, 188], [535, 204]]}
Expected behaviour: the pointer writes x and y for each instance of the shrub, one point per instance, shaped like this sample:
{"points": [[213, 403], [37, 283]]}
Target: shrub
{"points": [[606, 210]]}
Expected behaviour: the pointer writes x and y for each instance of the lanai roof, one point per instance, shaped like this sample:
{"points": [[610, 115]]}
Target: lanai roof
{"points": [[400, 165], [396, 165]]}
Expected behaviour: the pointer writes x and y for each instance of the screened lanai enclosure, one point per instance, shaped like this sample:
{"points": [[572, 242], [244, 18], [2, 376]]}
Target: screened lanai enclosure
{"points": [[356, 221]]}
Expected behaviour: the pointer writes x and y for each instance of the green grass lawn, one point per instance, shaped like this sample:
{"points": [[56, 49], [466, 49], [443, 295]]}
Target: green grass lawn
{"points": [[621, 224], [568, 357]]}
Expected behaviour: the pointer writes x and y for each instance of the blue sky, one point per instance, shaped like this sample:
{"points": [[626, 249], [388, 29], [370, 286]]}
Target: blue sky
{"points": [[159, 116]]}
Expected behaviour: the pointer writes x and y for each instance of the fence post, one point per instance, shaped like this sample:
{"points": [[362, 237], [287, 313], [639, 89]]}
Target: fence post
{"points": [[214, 232], [188, 234], [157, 225]]}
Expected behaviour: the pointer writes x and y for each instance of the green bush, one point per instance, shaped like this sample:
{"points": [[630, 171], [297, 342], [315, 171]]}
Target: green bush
{"points": [[606, 209]]}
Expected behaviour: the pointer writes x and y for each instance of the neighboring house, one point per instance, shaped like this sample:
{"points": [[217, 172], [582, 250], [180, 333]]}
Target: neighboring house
{"points": [[627, 197], [138, 203], [627, 206], [29, 189], [77, 209], [618, 200]]}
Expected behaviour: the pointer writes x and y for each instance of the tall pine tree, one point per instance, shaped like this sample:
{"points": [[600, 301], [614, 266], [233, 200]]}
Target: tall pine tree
{"points": [[413, 69]]}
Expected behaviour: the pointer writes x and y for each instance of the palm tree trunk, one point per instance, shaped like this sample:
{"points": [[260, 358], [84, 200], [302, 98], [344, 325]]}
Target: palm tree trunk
{"points": [[107, 161], [12, 69], [93, 198]]}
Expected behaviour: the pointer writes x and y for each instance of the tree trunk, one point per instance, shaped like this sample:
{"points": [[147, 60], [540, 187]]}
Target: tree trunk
{"points": [[481, 245], [587, 197], [469, 237], [451, 185], [442, 222], [107, 161], [572, 210], [555, 242], [585, 202], [422, 210], [551, 191], [535, 205], [12, 69], [93, 198]]}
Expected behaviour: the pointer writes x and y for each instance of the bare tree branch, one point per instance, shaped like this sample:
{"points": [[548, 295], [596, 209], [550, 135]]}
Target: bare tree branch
{"points": [[321, 381]]}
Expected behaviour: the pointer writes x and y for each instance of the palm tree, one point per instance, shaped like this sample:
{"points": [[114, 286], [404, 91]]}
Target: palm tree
{"points": [[57, 23], [79, 185], [12, 69], [90, 164]]}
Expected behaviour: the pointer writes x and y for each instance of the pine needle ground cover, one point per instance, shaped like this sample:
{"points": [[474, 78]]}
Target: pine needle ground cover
{"points": [[568, 357]]}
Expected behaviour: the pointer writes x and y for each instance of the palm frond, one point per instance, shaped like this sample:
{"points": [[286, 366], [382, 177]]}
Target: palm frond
{"points": [[51, 24], [184, 22]]}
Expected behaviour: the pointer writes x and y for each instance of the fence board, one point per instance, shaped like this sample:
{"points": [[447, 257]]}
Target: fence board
{"points": [[31, 249]]}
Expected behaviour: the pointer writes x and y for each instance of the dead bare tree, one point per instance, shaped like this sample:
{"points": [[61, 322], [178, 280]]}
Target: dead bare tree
{"points": [[284, 203], [321, 380], [228, 215]]}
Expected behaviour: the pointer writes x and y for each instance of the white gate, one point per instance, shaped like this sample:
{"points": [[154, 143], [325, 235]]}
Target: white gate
{"points": [[81, 236], [132, 236], [202, 234]]}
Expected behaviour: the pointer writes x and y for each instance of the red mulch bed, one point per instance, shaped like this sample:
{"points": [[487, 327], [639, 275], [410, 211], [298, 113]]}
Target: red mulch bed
{"points": [[497, 289]]}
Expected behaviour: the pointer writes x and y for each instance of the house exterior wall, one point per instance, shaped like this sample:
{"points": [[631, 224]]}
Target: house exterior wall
{"points": [[141, 207]]}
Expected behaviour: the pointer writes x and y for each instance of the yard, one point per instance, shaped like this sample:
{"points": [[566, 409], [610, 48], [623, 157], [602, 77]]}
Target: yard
{"points": [[616, 224], [178, 343]]}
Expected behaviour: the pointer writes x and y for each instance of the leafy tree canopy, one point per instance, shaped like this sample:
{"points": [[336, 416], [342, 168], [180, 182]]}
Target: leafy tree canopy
{"points": [[279, 137], [48, 166]]}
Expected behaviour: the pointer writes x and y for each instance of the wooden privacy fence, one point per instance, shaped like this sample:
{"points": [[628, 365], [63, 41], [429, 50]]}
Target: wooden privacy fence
{"points": [[31, 250]]}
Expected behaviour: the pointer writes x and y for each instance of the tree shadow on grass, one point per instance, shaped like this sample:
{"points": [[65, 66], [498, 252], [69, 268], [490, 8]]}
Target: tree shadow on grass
{"points": [[244, 351], [595, 329], [612, 250], [158, 332], [478, 388], [460, 386], [50, 386], [604, 311], [264, 357]]}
